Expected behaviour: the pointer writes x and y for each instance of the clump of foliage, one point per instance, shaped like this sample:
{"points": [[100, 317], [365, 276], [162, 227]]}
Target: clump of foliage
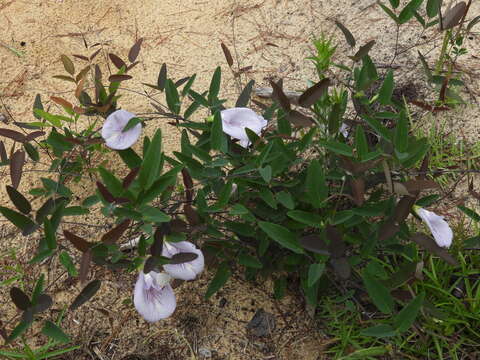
{"points": [[297, 193]]}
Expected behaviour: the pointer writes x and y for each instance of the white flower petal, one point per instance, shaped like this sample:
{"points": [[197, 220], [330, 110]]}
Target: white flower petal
{"points": [[153, 296], [185, 271], [235, 120], [441, 231], [112, 130]]}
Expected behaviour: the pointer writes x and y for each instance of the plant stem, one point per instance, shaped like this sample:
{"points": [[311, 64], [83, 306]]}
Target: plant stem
{"points": [[441, 58]]}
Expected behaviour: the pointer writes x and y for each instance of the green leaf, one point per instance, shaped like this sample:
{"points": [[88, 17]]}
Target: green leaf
{"points": [[37, 104], [31, 151], [221, 277], [172, 97], [394, 3], [20, 202], [54, 332], [37, 291], [266, 173], [267, 196], [305, 217], [366, 353], [379, 128], [361, 145], [67, 262], [368, 74], [379, 331], [214, 85], [155, 215], [151, 162], [157, 188], [56, 187], [282, 236], [111, 182], [249, 261], [386, 91], [130, 158], [244, 97], [286, 199], [217, 137], [19, 329], [405, 318], [55, 120], [379, 294], [315, 272], [50, 235], [400, 139], [389, 12], [315, 184], [21, 221], [337, 147], [470, 213], [132, 123], [409, 11]]}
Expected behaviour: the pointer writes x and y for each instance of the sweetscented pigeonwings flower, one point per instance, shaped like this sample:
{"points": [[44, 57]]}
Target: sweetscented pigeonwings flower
{"points": [[153, 296], [187, 270], [235, 120], [112, 132], [441, 231]]}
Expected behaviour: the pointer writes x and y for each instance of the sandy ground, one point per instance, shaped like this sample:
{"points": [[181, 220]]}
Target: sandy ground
{"points": [[272, 36]]}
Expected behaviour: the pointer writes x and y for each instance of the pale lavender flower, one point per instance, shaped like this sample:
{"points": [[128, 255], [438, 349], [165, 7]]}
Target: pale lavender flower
{"points": [[112, 130], [185, 271], [153, 296], [441, 231], [235, 120]]}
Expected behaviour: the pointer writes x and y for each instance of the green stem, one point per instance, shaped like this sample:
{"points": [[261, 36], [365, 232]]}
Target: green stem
{"points": [[441, 58]]}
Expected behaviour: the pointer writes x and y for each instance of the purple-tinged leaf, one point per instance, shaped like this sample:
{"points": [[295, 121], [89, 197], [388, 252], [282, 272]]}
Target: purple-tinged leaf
{"points": [[118, 78], [228, 55], [86, 294], [114, 234], [16, 166], [19, 298], [313, 93], [20, 202], [119, 63], [135, 50]]}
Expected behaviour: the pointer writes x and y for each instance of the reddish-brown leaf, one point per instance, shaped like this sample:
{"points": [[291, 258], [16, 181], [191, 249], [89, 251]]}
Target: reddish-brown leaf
{"points": [[178, 225], [114, 234], [81, 75], [12, 134], [118, 78], [3, 153], [94, 54], [314, 243], [85, 265], [228, 55], [135, 50], [119, 63], [312, 94], [63, 77], [131, 66], [431, 246], [130, 177], [81, 57], [336, 247], [191, 215], [34, 135], [61, 102], [16, 166], [105, 193], [280, 96], [188, 183], [298, 119], [417, 185], [453, 16], [78, 242]]}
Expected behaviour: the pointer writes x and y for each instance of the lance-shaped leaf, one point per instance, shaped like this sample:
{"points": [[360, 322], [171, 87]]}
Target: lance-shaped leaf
{"points": [[54, 332], [162, 77], [119, 63], [221, 277], [228, 55], [379, 294], [12, 134], [127, 181], [85, 262], [431, 246], [86, 294], [16, 166], [405, 318], [114, 234], [135, 50], [68, 64], [244, 97], [80, 243], [282, 236], [313, 93], [20, 202], [3, 153], [21, 221], [363, 51], [181, 258], [107, 195], [119, 78], [348, 35]]}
